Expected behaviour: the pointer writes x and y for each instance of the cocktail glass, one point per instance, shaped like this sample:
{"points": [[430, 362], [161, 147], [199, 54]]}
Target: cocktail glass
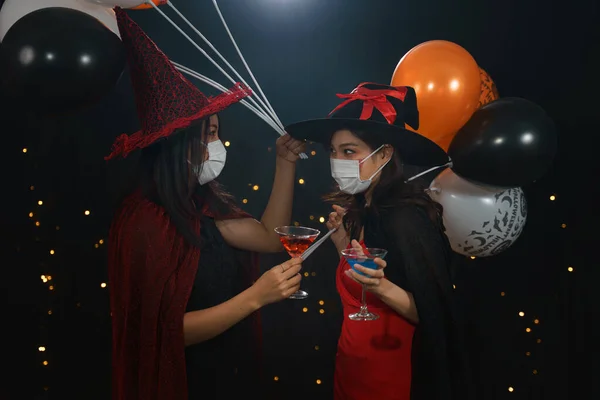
{"points": [[295, 240], [365, 258]]}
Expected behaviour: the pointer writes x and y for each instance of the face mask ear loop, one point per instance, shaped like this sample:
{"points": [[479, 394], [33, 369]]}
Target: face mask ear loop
{"points": [[448, 164], [371, 155]]}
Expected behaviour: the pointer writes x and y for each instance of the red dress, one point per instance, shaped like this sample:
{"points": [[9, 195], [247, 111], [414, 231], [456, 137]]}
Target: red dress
{"points": [[374, 357]]}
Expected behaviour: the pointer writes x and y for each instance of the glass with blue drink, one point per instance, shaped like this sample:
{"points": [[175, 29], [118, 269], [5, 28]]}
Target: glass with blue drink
{"points": [[365, 258]]}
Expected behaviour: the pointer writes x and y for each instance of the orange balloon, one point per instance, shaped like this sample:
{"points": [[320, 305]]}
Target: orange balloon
{"points": [[446, 79], [488, 91], [146, 6]]}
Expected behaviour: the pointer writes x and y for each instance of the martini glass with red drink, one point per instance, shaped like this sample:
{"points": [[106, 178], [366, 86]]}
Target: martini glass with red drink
{"points": [[295, 240]]}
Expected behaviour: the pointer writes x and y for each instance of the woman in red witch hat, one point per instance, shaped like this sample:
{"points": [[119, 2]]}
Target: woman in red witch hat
{"points": [[414, 350], [184, 288]]}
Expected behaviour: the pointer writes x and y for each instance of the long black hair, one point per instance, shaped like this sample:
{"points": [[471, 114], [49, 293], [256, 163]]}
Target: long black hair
{"points": [[391, 191], [165, 177]]}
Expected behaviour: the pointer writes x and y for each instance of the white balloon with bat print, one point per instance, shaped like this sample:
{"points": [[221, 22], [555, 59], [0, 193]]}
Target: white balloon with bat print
{"points": [[480, 221]]}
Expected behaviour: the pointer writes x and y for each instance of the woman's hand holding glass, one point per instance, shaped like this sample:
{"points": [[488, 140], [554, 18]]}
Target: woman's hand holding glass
{"points": [[372, 278], [278, 283]]}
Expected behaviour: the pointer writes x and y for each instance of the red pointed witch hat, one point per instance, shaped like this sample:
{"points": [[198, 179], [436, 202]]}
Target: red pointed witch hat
{"points": [[165, 100]]}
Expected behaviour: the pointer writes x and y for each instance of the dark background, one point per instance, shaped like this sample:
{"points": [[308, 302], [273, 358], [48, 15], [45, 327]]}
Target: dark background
{"points": [[302, 53]]}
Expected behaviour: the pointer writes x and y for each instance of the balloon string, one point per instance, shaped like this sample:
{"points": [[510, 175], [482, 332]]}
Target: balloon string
{"points": [[198, 47], [267, 107], [209, 44], [448, 164], [245, 63], [222, 88]]}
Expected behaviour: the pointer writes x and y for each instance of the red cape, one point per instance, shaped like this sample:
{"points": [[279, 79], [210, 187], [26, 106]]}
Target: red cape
{"points": [[151, 272]]}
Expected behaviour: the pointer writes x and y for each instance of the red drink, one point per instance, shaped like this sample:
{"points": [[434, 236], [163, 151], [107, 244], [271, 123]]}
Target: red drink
{"points": [[296, 239], [296, 245]]}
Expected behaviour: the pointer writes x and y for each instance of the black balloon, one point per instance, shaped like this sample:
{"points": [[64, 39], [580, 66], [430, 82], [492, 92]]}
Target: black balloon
{"points": [[59, 59], [507, 143]]}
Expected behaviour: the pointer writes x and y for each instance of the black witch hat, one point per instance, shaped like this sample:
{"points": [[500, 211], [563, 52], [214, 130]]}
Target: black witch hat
{"points": [[381, 111]]}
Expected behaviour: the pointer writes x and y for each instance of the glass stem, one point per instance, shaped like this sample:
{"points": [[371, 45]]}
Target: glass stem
{"points": [[363, 305]]}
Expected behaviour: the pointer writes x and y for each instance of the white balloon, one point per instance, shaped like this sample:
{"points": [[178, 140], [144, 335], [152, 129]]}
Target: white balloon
{"points": [[13, 10], [480, 221]]}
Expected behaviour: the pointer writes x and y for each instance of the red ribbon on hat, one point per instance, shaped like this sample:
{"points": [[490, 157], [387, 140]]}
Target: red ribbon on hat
{"points": [[374, 98]]}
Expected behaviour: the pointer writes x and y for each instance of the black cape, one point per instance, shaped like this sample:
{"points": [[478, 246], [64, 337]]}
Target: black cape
{"points": [[419, 259]]}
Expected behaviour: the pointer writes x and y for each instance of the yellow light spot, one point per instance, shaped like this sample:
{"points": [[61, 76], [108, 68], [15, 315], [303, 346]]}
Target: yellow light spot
{"points": [[306, 274], [563, 226], [25, 150], [30, 215], [37, 223], [318, 381], [317, 347], [301, 181], [473, 257], [41, 348], [275, 378], [45, 363], [58, 228], [96, 245], [49, 277], [536, 321], [321, 311], [51, 251], [101, 241], [454, 286], [245, 201], [321, 219], [313, 153], [312, 217], [51, 287], [227, 143], [87, 212], [305, 309], [103, 285], [510, 389], [538, 341], [535, 371], [255, 187], [521, 314], [502, 294], [32, 187], [313, 274], [49, 312], [40, 202], [570, 269], [552, 198], [528, 353], [296, 223], [321, 302], [527, 330]]}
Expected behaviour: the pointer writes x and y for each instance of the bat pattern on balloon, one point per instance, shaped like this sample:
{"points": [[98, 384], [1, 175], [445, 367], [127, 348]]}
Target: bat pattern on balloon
{"points": [[498, 234]]}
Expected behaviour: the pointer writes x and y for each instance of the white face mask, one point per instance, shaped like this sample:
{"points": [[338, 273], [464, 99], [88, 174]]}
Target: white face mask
{"points": [[210, 169], [347, 174]]}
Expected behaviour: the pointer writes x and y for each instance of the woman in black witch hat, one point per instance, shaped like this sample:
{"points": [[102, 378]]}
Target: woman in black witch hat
{"points": [[415, 349]]}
